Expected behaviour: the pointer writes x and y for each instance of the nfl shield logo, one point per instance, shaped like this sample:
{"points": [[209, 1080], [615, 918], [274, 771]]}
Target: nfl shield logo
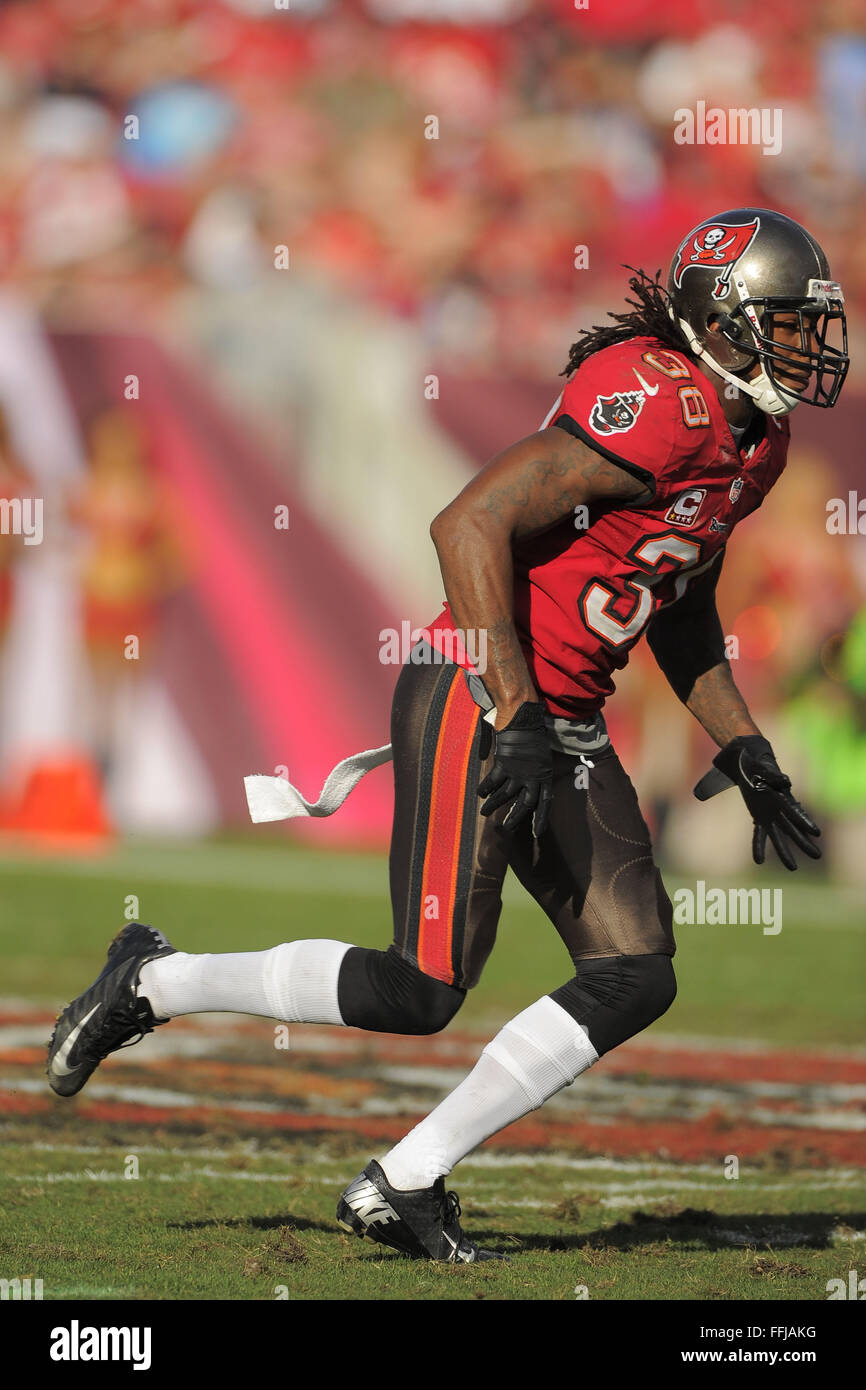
{"points": [[736, 489]]}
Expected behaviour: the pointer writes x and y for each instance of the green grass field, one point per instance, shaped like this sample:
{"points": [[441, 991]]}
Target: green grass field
{"points": [[803, 984], [205, 1225], [223, 1209]]}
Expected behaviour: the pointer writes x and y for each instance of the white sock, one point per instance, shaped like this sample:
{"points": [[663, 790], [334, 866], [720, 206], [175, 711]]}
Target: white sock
{"points": [[295, 982], [533, 1057]]}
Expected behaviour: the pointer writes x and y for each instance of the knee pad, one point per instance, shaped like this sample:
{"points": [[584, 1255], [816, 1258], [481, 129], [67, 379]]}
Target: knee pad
{"points": [[617, 996], [382, 992]]}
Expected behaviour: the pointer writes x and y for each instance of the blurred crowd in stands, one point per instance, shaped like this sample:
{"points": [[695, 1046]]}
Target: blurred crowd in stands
{"points": [[430, 168], [309, 127]]}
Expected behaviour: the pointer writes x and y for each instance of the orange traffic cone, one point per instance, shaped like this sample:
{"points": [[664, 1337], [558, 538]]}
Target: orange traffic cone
{"points": [[58, 805]]}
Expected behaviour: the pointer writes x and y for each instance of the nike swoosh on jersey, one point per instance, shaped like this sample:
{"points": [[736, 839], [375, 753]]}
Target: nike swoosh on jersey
{"points": [[650, 390], [58, 1063]]}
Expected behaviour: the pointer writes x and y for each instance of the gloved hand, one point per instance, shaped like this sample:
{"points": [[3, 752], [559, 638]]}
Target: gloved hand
{"points": [[749, 763], [522, 770]]}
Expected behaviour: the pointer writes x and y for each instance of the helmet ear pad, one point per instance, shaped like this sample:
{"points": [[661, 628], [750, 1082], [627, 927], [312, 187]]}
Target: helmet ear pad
{"points": [[729, 341]]}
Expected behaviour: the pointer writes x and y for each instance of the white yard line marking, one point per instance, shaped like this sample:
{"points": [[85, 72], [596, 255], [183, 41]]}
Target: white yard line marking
{"points": [[92, 1291], [201, 1030], [599, 1104], [819, 1177], [192, 1175], [614, 1194]]}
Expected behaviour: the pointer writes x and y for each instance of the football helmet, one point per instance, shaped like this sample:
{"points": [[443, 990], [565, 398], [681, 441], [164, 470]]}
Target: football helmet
{"points": [[732, 279]]}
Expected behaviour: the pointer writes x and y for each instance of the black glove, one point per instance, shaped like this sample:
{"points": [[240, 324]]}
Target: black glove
{"points": [[749, 763], [522, 770]]}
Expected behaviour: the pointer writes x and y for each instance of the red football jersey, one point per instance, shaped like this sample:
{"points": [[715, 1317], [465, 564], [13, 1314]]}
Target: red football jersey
{"points": [[585, 590]]}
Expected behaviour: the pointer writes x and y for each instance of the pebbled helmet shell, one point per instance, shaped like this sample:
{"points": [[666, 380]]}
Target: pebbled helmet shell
{"points": [[775, 256]]}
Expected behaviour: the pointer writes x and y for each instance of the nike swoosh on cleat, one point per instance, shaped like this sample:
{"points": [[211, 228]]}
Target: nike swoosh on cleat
{"points": [[650, 390], [58, 1064]]}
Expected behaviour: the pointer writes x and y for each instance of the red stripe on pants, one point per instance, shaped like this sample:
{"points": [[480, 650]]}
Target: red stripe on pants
{"points": [[447, 801]]}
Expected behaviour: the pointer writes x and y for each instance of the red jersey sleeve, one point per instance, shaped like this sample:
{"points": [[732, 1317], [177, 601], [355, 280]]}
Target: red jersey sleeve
{"points": [[626, 409]]}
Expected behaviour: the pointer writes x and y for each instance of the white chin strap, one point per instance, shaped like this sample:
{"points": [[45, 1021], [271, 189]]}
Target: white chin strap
{"points": [[760, 388]]}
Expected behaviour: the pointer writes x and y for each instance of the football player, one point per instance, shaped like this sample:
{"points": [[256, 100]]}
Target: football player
{"points": [[609, 523]]}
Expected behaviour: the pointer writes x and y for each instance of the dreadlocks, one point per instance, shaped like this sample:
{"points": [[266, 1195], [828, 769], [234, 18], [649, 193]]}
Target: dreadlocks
{"points": [[650, 318]]}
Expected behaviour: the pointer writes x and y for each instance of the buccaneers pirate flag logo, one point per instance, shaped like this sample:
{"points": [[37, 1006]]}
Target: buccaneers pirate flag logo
{"points": [[617, 412], [717, 246]]}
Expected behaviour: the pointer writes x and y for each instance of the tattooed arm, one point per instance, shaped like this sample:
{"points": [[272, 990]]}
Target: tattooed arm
{"points": [[716, 703], [526, 489]]}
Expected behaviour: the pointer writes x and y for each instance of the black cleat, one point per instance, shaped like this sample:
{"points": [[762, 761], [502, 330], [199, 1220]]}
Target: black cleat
{"points": [[423, 1223], [107, 1015]]}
